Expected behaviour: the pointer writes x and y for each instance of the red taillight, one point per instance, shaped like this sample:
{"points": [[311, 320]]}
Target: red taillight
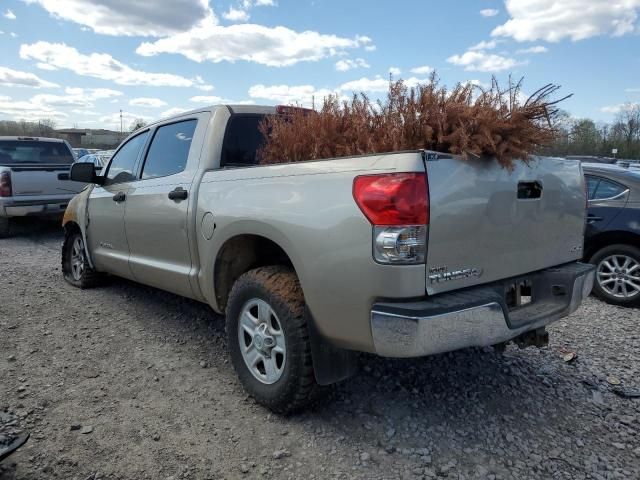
{"points": [[393, 198], [5, 184]]}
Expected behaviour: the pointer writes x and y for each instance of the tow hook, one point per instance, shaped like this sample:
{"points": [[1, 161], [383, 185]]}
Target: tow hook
{"points": [[535, 338]]}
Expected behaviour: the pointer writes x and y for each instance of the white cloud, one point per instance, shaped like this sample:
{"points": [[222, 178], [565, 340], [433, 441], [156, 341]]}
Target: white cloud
{"points": [[13, 34], [173, 111], [554, 20], [614, 109], [423, 70], [480, 61], [28, 110], [484, 45], [307, 95], [9, 15], [395, 71], [130, 18], [535, 49], [205, 88], [632, 90], [147, 102], [348, 64], [364, 84], [489, 12], [208, 99], [16, 78], [97, 65], [272, 46], [236, 15], [50, 106], [376, 84], [303, 95], [113, 119]]}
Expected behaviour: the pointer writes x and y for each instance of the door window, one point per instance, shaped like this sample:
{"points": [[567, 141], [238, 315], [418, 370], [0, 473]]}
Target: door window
{"points": [[602, 189], [169, 150], [592, 184], [124, 161]]}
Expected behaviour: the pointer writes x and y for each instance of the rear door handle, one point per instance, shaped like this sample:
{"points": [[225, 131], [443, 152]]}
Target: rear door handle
{"points": [[119, 197], [178, 194], [593, 218]]}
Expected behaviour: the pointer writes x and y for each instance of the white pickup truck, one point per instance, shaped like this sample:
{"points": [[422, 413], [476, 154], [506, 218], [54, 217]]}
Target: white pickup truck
{"points": [[34, 178], [401, 254]]}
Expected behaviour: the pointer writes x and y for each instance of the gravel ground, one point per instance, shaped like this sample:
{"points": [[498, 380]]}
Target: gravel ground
{"points": [[129, 382]]}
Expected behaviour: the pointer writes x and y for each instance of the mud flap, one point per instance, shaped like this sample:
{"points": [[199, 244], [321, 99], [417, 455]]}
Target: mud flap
{"points": [[330, 364]]}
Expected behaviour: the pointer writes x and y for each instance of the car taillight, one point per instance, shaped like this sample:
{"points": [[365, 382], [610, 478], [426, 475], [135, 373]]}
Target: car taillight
{"points": [[5, 184], [397, 205]]}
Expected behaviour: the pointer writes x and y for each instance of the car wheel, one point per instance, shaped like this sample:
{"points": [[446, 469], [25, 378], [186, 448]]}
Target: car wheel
{"points": [[5, 225], [75, 267], [268, 339], [617, 274]]}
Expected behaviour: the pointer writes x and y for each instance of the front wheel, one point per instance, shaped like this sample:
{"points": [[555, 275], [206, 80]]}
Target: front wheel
{"points": [[268, 339], [75, 266], [617, 274]]}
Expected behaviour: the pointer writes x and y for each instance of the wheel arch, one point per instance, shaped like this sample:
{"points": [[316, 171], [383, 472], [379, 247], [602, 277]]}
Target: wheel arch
{"points": [[593, 245], [244, 252]]}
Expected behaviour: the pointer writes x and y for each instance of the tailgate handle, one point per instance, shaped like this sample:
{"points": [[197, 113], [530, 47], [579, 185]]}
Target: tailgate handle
{"points": [[529, 190]]}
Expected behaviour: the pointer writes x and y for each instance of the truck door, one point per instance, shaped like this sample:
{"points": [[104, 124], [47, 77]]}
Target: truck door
{"points": [[105, 233], [157, 221]]}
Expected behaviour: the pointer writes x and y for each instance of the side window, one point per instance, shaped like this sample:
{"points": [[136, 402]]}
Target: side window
{"points": [[169, 149], [607, 189], [242, 139], [120, 169], [592, 184]]}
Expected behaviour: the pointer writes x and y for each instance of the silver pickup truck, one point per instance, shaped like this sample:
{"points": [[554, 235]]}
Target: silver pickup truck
{"points": [[402, 254], [34, 178]]}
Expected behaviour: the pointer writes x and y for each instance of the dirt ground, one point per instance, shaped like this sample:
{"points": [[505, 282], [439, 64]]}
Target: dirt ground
{"points": [[129, 382]]}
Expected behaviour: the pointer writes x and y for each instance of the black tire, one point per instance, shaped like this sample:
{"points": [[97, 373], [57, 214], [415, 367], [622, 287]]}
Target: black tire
{"points": [[87, 277], [5, 227], [279, 287], [599, 290]]}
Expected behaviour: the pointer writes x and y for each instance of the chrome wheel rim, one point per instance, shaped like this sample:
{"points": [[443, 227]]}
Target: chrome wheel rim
{"points": [[619, 276], [262, 342], [77, 258]]}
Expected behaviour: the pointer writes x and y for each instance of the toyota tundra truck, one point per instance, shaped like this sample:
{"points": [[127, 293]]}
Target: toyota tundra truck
{"points": [[403, 254]]}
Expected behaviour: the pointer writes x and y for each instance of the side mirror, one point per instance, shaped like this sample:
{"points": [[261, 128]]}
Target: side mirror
{"points": [[84, 172]]}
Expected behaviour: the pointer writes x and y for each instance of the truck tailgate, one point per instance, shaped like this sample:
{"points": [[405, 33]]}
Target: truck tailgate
{"points": [[488, 223], [34, 180]]}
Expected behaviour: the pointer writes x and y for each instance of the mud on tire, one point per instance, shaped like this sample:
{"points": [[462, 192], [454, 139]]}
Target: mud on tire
{"points": [[75, 267], [278, 287]]}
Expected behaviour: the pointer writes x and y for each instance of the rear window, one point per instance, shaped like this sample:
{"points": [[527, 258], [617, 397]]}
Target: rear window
{"points": [[26, 152], [242, 140]]}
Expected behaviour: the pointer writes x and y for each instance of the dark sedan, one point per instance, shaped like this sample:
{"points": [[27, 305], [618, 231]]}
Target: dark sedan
{"points": [[612, 240]]}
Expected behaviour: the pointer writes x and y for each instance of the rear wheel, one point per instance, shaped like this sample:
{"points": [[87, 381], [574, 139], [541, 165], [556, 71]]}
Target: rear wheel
{"points": [[618, 274], [268, 339], [5, 225], [75, 267]]}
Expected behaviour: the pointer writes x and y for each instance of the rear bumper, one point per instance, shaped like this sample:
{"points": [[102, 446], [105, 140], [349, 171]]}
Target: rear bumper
{"points": [[24, 207], [478, 316]]}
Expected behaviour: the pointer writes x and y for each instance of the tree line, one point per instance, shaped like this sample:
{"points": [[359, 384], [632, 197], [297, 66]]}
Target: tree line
{"points": [[586, 137]]}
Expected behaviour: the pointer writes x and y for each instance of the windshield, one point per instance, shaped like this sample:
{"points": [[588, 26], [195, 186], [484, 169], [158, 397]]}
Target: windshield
{"points": [[26, 152]]}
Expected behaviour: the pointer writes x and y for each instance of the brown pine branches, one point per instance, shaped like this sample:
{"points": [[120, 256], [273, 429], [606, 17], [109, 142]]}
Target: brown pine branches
{"points": [[468, 120]]}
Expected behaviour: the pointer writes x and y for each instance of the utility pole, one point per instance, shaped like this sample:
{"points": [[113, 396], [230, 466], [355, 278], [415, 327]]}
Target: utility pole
{"points": [[120, 122]]}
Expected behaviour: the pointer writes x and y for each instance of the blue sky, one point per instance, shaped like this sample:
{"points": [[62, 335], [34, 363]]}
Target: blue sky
{"points": [[79, 62]]}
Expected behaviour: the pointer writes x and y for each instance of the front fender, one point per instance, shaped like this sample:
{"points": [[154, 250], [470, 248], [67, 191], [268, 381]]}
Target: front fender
{"points": [[77, 213]]}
